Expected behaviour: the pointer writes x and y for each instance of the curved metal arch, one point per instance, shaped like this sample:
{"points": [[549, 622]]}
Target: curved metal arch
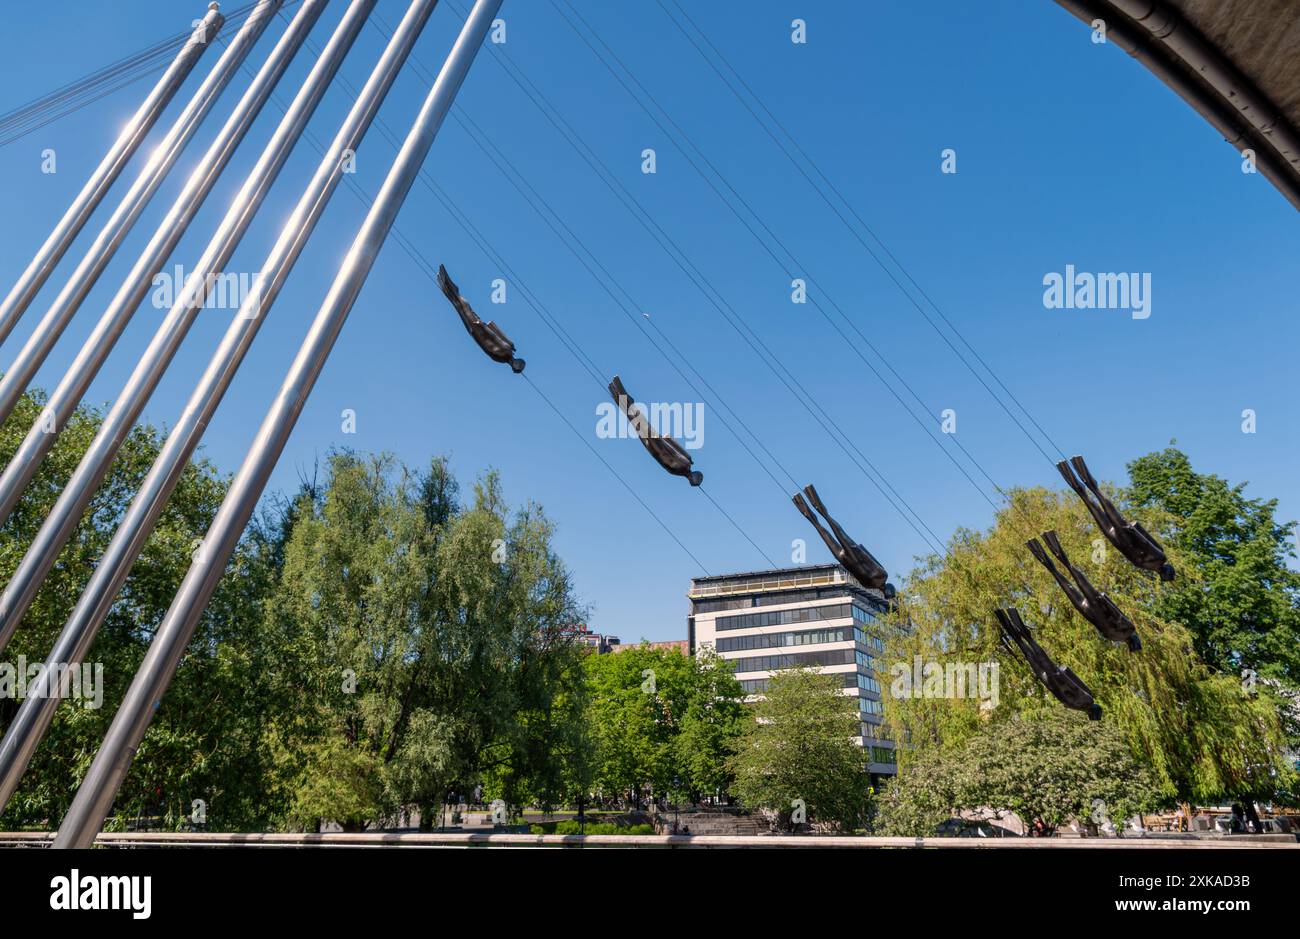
{"points": [[1159, 36]]}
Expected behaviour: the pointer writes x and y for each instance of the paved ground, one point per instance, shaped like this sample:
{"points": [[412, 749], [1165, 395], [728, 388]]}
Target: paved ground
{"points": [[485, 839]]}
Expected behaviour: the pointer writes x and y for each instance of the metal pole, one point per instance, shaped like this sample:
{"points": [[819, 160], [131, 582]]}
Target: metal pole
{"points": [[62, 521], [66, 395], [95, 797], [37, 710], [109, 169], [110, 573], [19, 375]]}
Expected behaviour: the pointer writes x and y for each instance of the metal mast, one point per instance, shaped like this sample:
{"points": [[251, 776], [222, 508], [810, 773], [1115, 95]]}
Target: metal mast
{"points": [[95, 797], [78, 633], [110, 168], [63, 400], [161, 160]]}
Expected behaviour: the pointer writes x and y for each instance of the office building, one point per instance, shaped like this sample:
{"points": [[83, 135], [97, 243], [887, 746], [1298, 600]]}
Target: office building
{"points": [[817, 616]]}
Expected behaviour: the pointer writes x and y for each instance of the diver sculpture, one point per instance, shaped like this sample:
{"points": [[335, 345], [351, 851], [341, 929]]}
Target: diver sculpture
{"points": [[1129, 538], [488, 335], [667, 452], [1092, 604], [1064, 685], [856, 559]]}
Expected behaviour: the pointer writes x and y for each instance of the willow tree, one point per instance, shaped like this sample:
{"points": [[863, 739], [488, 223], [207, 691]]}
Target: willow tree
{"points": [[1203, 734]]}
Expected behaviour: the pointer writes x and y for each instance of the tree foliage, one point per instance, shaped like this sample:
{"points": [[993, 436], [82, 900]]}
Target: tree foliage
{"points": [[1200, 732], [800, 746], [425, 646], [663, 722], [380, 643], [204, 742], [1243, 611], [1055, 767]]}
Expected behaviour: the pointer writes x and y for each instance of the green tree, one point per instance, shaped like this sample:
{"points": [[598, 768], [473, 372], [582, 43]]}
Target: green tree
{"points": [[662, 722], [715, 716], [1244, 609], [545, 756], [424, 645], [800, 747], [923, 795], [1201, 734], [1055, 767], [204, 742]]}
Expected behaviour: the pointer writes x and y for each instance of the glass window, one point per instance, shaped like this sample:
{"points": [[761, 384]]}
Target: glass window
{"points": [[803, 637], [807, 614], [772, 663], [869, 706]]}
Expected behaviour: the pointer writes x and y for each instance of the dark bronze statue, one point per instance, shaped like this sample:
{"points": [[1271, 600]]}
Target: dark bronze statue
{"points": [[1092, 604], [667, 452], [1129, 538], [1064, 685], [856, 559], [489, 336]]}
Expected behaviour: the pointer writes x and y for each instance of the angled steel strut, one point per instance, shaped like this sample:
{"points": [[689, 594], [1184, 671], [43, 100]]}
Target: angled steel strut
{"points": [[40, 438], [38, 709], [161, 160], [95, 797], [110, 168], [76, 495]]}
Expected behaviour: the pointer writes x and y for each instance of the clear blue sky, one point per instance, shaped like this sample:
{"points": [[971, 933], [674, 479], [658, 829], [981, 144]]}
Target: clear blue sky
{"points": [[1068, 153]]}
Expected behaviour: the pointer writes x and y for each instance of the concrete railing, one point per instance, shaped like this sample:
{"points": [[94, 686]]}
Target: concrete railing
{"points": [[485, 839]]}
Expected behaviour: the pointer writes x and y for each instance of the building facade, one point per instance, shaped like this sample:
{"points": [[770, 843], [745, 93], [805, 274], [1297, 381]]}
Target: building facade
{"points": [[583, 635], [671, 645], [817, 616]]}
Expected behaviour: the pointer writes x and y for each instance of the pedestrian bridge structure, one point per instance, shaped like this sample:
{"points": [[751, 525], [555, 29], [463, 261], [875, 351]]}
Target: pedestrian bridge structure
{"points": [[1237, 62]]}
